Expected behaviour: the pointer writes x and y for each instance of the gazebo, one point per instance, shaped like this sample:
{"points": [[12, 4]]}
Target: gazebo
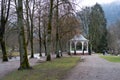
{"points": [[79, 45]]}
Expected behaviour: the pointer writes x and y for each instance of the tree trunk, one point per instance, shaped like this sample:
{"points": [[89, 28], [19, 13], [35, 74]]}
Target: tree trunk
{"points": [[45, 47], [69, 44], [31, 19], [2, 41], [31, 40], [4, 18], [40, 41], [44, 41], [24, 64], [5, 57], [57, 33], [27, 22], [61, 50], [49, 31]]}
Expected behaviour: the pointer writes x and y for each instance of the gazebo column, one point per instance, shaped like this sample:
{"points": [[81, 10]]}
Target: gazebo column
{"points": [[87, 47], [75, 43], [82, 46]]}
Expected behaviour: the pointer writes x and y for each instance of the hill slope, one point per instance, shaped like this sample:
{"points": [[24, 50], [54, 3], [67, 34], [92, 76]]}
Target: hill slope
{"points": [[112, 12]]}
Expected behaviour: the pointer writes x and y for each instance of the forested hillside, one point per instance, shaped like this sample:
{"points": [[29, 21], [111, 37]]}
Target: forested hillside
{"points": [[112, 12]]}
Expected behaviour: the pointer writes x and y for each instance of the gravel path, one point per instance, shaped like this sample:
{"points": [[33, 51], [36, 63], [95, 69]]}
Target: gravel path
{"points": [[95, 68]]}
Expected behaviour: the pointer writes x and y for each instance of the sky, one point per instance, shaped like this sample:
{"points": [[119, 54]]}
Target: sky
{"points": [[83, 3]]}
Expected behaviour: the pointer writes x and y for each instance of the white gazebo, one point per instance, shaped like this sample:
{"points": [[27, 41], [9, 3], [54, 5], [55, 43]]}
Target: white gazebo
{"points": [[79, 44]]}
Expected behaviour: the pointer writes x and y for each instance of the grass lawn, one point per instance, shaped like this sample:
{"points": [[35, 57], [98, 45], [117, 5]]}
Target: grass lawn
{"points": [[54, 70], [111, 58]]}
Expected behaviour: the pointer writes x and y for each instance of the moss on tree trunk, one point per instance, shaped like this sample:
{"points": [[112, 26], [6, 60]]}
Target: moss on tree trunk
{"points": [[24, 64]]}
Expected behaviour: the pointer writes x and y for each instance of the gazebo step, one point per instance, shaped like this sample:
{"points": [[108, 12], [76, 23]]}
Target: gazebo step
{"points": [[79, 52]]}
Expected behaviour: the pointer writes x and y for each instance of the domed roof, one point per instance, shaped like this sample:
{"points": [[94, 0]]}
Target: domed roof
{"points": [[79, 38]]}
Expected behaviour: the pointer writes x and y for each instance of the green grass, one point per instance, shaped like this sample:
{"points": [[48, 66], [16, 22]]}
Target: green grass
{"points": [[13, 54], [54, 70], [111, 58]]}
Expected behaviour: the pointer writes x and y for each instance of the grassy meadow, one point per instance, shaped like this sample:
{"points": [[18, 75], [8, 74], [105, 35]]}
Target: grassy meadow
{"points": [[111, 58]]}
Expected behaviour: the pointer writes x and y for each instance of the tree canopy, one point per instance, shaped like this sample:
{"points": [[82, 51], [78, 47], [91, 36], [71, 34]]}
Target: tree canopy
{"points": [[97, 29]]}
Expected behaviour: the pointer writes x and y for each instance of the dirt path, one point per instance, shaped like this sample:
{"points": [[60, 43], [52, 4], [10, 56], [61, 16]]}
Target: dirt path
{"points": [[95, 68]]}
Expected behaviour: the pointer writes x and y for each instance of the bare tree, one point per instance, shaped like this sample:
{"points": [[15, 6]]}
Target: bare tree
{"points": [[5, 7], [24, 64], [27, 21], [49, 31], [57, 29], [39, 12], [31, 20], [114, 38]]}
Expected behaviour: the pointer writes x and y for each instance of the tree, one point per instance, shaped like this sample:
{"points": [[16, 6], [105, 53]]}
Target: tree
{"points": [[45, 35], [57, 28], [84, 18], [67, 11], [27, 21], [49, 31], [97, 29], [5, 7], [30, 10], [24, 64], [39, 27], [113, 38], [44, 22], [31, 30]]}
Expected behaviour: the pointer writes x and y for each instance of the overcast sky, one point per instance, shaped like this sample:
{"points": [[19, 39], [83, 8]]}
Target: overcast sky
{"points": [[83, 3]]}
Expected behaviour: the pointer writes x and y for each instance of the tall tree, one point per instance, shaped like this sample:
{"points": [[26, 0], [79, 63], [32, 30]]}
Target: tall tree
{"points": [[49, 31], [114, 38], [24, 64], [31, 11], [27, 21], [84, 18], [5, 7], [44, 24], [97, 29], [67, 11], [57, 29], [44, 36], [39, 26]]}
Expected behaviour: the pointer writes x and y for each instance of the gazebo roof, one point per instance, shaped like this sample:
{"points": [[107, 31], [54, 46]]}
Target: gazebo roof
{"points": [[79, 38]]}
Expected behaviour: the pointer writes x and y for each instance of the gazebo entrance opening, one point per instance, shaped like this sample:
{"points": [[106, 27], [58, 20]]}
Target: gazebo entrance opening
{"points": [[79, 44]]}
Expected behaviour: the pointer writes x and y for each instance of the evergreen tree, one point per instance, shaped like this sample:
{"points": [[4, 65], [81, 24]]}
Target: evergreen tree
{"points": [[97, 29]]}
